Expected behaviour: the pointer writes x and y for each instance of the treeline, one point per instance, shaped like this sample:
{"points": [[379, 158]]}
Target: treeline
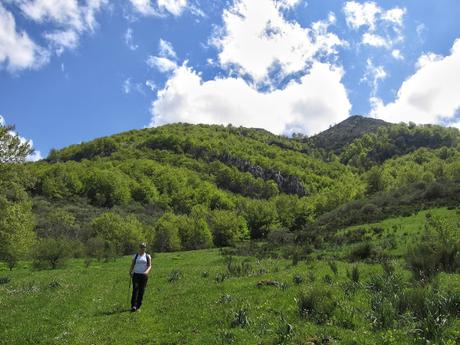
{"points": [[397, 140]]}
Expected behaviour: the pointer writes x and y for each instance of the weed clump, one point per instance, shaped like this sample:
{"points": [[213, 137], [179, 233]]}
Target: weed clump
{"points": [[317, 304], [4, 280], [175, 276], [240, 318]]}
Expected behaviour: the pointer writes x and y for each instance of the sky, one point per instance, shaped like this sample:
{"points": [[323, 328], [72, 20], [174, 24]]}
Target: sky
{"points": [[75, 70]]}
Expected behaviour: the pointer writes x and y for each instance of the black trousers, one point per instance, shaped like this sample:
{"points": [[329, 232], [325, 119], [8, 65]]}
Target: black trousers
{"points": [[139, 283]]}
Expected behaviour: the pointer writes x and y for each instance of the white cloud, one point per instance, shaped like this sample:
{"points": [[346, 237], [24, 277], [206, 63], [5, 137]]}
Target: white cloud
{"points": [[288, 3], [375, 40], [35, 156], [174, 7], [2, 121], [302, 106], [151, 85], [129, 39], [70, 17], [383, 27], [166, 49], [127, 86], [166, 59], [430, 95], [394, 15], [67, 39], [256, 39], [144, 7], [161, 63], [358, 15], [396, 53], [373, 76], [17, 50]]}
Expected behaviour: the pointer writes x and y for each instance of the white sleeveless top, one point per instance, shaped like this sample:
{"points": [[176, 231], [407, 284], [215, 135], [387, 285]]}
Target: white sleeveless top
{"points": [[140, 265]]}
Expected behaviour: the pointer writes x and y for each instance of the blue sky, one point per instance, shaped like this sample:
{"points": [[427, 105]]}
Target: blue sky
{"points": [[74, 70]]}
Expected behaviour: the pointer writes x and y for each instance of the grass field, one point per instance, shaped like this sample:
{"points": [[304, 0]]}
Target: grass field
{"points": [[194, 298]]}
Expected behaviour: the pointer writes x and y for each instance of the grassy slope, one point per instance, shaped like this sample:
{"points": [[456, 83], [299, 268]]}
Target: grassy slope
{"points": [[89, 306]]}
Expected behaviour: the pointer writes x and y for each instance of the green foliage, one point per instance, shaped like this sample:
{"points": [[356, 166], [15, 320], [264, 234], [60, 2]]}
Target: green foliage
{"points": [[51, 253], [16, 223], [316, 304], [438, 250], [166, 236], [122, 233], [12, 148], [107, 188], [227, 227]]}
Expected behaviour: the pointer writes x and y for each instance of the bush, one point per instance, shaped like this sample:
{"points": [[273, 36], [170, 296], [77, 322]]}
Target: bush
{"points": [[437, 251], [51, 253], [166, 238], [362, 251], [316, 304]]}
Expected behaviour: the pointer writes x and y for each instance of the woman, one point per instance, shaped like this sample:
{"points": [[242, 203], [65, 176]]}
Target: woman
{"points": [[140, 268]]}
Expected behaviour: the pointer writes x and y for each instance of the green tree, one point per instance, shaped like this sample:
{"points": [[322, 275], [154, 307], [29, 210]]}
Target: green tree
{"points": [[16, 224], [227, 227], [12, 148], [166, 237], [261, 217], [123, 233], [107, 188]]}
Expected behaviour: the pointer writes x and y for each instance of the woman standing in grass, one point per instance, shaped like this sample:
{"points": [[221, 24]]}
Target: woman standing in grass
{"points": [[140, 268]]}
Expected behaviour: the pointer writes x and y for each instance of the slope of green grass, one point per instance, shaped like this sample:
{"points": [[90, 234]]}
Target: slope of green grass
{"points": [[89, 305]]}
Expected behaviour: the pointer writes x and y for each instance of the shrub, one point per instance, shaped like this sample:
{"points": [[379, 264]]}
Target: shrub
{"points": [[437, 251], [362, 251], [316, 304], [50, 253]]}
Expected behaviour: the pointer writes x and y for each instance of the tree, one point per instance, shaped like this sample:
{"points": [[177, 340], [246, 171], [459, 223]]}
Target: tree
{"points": [[261, 217], [107, 188], [13, 149], [166, 237], [16, 224], [123, 234], [227, 227], [51, 253]]}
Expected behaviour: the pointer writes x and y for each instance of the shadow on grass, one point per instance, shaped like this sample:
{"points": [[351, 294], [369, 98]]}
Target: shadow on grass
{"points": [[115, 310]]}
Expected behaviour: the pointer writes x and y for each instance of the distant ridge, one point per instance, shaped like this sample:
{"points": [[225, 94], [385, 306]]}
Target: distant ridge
{"points": [[342, 134]]}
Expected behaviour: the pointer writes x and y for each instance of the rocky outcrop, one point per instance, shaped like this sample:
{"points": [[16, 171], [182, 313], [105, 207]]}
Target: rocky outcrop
{"points": [[288, 184]]}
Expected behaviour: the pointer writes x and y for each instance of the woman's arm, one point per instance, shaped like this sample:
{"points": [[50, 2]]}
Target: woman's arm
{"points": [[132, 267], [149, 265]]}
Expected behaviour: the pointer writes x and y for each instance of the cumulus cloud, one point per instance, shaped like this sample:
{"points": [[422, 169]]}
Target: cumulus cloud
{"points": [[383, 27], [256, 39], [17, 50], [302, 106], [430, 95]]}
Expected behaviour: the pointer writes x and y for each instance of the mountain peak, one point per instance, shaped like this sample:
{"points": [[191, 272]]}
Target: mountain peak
{"points": [[343, 133]]}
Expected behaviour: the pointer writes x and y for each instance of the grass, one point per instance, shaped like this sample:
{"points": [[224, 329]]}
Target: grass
{"points": [[185, 303]]}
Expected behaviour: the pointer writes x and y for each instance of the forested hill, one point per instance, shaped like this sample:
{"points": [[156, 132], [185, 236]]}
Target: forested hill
{"points": [[186, 186], [339, 136]]}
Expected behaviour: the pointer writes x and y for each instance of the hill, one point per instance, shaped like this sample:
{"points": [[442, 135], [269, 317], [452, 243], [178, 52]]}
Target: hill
{"points": [[337, 137], [184, 186]]}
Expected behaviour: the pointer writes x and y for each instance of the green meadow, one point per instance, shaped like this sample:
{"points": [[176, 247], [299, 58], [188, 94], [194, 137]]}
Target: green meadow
{"points": [[220, 297]]}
